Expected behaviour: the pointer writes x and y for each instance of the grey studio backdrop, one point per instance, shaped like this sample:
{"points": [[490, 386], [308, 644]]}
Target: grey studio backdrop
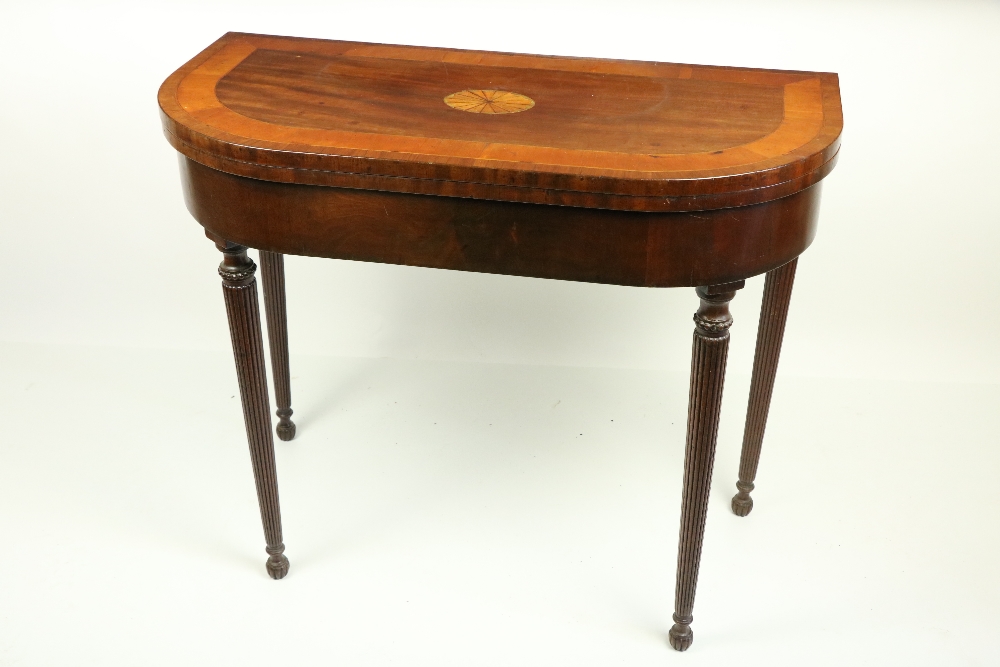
{"points": [[894, 316]]}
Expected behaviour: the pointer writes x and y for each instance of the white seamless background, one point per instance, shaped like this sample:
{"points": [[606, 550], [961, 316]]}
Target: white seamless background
{"points": [[899, 283], [438, 508]]}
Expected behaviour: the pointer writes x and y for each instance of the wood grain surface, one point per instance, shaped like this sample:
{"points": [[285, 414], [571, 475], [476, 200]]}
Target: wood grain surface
{"points": [[613, 134], [770, 333], [272, 267], [588, 245], [239, 287], [606, 171], [709, 353]]}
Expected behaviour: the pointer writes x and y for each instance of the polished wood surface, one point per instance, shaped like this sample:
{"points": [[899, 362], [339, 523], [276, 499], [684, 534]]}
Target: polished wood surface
{"points": [[586, 245], [609, 134], [239, 288], [272, 268], [770, 332], [709, 353], [604, 171]]}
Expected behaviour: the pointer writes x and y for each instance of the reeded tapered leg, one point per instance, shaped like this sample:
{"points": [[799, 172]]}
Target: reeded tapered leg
{"points": [[770, 332], [708, 372], [272, 266], [239, 287]]}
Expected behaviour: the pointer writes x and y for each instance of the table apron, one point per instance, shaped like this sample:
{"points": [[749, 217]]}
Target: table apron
{"points": [[534, 240]]}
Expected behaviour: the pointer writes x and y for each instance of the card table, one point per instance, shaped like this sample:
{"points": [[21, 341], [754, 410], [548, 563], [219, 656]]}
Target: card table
{"points": [[644, 174]]}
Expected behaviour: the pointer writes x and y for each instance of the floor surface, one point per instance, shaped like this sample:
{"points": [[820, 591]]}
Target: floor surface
{"points": [[473, 514]]}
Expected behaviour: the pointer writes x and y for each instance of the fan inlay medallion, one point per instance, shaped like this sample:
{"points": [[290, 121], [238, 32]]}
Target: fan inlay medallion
{"points": [[489, 101]]}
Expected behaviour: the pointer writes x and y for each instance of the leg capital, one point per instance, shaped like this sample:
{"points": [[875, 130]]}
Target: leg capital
{"points": [[236, 269], [713, 318]]}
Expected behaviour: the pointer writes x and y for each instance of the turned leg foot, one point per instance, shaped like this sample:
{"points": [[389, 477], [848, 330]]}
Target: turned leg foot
{"points": [[708, 372], [239, 287], [285, 427], [770, 332], [272, 265], [277, 563], [681, 635], [742, 502]]}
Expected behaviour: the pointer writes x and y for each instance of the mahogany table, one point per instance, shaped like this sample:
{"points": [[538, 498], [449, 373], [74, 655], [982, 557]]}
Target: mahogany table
{"points": [[605, 171]]}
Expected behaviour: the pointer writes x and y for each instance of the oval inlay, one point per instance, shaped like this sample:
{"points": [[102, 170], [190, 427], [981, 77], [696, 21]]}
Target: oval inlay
{"points": [[489, 101]]}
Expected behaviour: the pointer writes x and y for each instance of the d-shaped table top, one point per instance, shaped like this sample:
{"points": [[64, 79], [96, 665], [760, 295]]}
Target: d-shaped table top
{"points": [[585, 132]]}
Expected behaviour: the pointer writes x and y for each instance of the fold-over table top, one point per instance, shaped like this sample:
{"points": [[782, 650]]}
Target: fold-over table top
{"points": [[612, 134]]}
